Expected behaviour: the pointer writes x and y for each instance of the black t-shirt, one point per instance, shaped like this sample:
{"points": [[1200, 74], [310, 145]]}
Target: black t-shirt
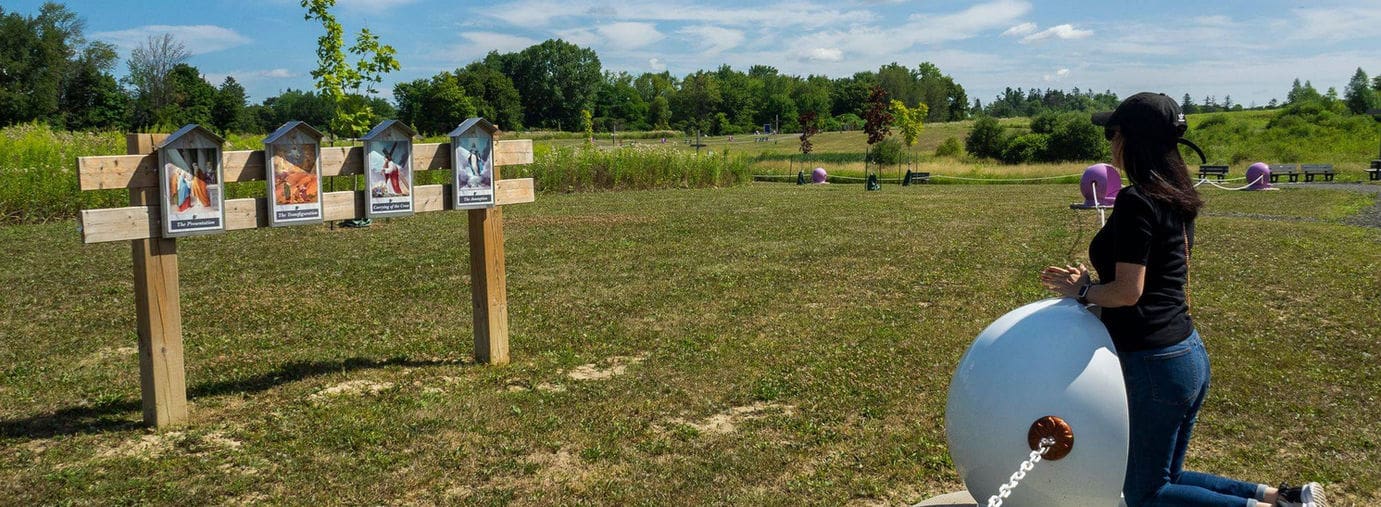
{"points": [[1142, 231]]}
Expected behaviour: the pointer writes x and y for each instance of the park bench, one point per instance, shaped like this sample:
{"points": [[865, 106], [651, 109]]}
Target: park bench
{"points": [[1375, 172], [1311, 170], [1221, 171], [1291, 170], [915, 177]]}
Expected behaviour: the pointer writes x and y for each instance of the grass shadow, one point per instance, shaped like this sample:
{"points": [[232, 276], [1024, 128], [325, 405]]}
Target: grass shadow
{"points": [[121, 415]]}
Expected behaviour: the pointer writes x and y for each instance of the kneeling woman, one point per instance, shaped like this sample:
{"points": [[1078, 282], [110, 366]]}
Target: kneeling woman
{"points": [[1142, 259]]}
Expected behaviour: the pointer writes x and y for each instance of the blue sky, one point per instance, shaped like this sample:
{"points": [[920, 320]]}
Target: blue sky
{"points": [[1248, 50]]}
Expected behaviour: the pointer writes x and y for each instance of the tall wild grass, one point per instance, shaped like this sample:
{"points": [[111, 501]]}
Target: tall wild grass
{"points": [[38, 172], [547, 135], [568, 169]]}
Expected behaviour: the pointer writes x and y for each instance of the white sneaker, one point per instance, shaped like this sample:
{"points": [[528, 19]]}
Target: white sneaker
{"points": [[1308, 495]]}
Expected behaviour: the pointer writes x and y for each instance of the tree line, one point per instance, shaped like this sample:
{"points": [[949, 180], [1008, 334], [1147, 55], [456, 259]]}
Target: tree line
{"points": [[549, 85], [52, 74], [49, 72], [1060, 129]]}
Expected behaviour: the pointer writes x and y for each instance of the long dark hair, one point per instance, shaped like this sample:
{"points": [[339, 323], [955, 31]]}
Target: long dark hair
{"points": [[1154, 164]]}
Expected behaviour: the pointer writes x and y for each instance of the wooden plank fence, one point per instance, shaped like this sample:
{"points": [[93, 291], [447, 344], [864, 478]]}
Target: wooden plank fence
{"points": [[158, 316]]}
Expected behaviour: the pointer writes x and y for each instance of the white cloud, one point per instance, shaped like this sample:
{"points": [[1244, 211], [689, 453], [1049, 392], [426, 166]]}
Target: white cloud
{"points": [[542, 13], [274, 73], [1065, 31], [579, 36], [965, 24], [713, 39], [1019, 30], [873, 42], [198, 39], [825, 55], [1057, 76], [372, 5], [1216, 20], [250, 76], [656, 64], [494, 41], [478, 44], [1334, 23], [534, 14], [630, 35]]}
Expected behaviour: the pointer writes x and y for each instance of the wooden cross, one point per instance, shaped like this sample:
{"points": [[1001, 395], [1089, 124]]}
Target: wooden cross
{"points": [[163, 382]]}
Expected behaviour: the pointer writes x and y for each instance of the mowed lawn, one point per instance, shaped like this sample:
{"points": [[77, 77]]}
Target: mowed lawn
{"points": [[760, 345]]}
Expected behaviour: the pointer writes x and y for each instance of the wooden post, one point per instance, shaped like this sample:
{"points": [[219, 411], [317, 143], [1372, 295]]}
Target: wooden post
{"points": [[162, 380], [488, 284], [488, 288]]}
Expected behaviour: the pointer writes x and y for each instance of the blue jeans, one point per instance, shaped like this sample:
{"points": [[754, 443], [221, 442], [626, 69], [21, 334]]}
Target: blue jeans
{"points": [[1165, 388]]}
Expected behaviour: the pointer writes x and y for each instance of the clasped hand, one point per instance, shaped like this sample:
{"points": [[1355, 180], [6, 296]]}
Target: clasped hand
{"points": [[1065, 280]]}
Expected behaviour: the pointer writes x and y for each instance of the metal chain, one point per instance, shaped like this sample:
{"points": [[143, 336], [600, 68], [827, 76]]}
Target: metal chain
{"points": [[1026, 466]]}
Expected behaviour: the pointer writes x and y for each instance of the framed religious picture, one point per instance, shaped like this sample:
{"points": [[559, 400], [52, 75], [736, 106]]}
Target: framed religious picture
{"points": [[292, 155], [189, 181], [472, 158], [388, 170]]}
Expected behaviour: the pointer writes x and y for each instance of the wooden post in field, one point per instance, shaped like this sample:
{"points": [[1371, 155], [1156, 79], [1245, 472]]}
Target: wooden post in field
{"points": [[158, 315], [488, 285]]}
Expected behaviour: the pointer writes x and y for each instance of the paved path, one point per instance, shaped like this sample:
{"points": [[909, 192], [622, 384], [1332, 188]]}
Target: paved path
{"points": [[956, 499], [1368, 217]]}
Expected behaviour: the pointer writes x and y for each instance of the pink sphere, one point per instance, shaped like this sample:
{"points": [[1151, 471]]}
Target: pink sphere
{"points": [[819, 175], [1259, 176], [1103, 179]]}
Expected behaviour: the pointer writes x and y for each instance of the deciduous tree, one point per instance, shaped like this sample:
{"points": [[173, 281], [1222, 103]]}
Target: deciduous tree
{"points": [[344, 84], [149, 66], [878, 121]]}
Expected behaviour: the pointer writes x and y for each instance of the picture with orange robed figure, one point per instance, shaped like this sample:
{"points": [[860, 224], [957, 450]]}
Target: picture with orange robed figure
{"points": [[191, 179], [294, 178]]}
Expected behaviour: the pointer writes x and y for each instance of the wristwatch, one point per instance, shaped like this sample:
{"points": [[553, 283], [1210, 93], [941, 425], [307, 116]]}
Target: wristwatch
{"points": [[1082, 298]]}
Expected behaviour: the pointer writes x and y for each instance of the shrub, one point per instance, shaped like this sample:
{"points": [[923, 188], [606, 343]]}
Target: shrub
{"points": [[888, 151], [950, 148], [1025, 148], [1213, 121], [986, 139], [1045, 123], [1074, 138]]}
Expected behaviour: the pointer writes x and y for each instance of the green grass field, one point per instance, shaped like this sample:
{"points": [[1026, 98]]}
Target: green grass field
{"points": [[765, 344]]}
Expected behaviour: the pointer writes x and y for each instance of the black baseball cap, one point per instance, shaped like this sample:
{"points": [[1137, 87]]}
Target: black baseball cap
{"points": [[1152, 114]]}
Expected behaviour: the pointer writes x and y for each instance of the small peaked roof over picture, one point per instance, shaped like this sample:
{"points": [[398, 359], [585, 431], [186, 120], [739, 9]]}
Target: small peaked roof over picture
{"points": [[291, 126], [188, 130], [385, 126], [471, 122]]}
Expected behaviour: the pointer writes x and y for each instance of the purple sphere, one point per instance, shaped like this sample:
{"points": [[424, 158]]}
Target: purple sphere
{"points": [[1103, 179], [1114, 184], [1259, 176], [818, 175]]}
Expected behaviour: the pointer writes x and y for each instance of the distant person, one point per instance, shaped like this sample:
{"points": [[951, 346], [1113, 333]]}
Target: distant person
{"points": [[1142, 259]]}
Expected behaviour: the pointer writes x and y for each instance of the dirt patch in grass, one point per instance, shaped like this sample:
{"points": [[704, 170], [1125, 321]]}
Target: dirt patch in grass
{"points": [[615, 366], [727, 422], [558, 467], [350, 388], [551, 388], [158, 444], [108, 354]]}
